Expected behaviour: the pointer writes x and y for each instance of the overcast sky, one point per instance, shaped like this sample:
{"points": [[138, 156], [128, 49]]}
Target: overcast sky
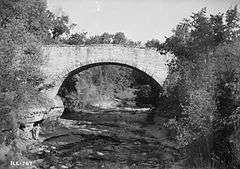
{"points": [[140, 20]]}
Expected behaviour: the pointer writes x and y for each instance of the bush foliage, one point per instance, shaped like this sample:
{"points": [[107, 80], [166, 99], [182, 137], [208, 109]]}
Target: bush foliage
{"points": [[204, 75]]}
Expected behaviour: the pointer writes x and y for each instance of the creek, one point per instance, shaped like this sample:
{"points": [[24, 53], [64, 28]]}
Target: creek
{"points": [[108, 139]]}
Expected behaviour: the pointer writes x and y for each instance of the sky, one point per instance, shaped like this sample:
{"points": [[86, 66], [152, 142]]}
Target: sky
{"points": [[140, 20]]}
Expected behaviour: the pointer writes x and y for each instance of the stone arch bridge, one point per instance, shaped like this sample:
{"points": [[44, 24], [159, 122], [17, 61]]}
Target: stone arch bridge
{"points": [[64, 61]]}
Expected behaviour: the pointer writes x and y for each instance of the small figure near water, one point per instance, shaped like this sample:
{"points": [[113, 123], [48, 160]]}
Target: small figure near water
{"points": [[35, 132], [22, 126], [21, 131]]}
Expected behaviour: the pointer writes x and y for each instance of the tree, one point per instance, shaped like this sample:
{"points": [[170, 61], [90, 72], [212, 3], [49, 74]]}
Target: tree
{"points": [[33, 15], [105, 38], [205, 64], [134, 44], [20, 46], [232, 19], [119, 38], [218, 28], [77, 39], [37, 19], [60, 26], [93, 40], [154, 43], [7, 11], [22, 33]]}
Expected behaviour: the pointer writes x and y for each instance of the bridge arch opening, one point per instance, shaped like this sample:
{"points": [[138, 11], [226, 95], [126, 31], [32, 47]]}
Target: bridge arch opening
{"points": [[144, 79], [87, 66]]}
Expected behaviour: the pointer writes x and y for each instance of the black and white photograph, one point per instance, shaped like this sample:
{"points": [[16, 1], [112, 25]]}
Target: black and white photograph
{"points": [[119, 84]]}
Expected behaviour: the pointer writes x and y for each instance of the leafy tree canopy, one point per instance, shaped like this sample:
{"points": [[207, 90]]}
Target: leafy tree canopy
{"points": [[205, 74], [202, 33], [24, 26], [105, 38]]}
